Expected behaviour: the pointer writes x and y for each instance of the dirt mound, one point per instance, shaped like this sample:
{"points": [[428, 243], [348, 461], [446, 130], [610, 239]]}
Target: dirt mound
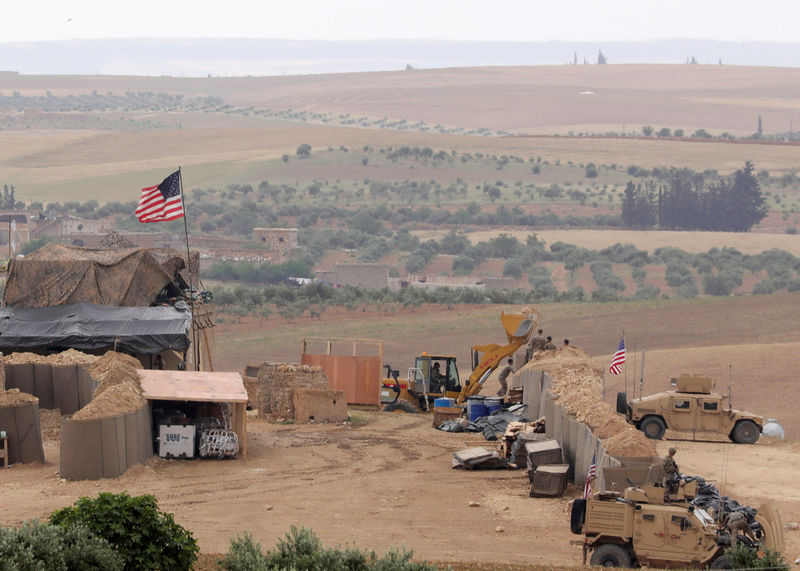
{"points": [[563, 357], [23, 358], [578, 386], [71, 357], [115, 366], [118, 390], [12, 397], [115, 400]]}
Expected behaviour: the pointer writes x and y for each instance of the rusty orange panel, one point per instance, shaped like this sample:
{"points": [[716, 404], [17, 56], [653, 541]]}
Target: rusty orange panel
{"points": [[358, 377]]}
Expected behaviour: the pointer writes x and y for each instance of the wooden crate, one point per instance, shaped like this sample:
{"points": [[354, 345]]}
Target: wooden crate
{"points": [[549, 480]]}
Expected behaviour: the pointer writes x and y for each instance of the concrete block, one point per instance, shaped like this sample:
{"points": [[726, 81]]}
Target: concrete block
{"points": [[318, 405]]}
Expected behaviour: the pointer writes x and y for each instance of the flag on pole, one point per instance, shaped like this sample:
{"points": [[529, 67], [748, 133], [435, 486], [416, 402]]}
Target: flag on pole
{"points": [[162, 202], [587, 489], [618, 359]]}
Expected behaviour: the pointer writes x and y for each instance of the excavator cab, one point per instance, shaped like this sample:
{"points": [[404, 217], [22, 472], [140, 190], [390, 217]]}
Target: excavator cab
{"points": [[431, 377]]}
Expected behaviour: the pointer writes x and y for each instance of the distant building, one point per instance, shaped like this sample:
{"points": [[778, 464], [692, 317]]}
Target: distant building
{"points": [[277, 239], [372, 276]]}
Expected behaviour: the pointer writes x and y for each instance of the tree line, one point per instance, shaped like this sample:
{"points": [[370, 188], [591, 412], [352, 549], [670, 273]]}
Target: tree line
{"points": [[681, 199]]}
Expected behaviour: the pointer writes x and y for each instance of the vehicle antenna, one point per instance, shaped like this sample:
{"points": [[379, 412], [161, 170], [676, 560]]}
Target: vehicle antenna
{"points": [[725, 457], [730, 389], [641, 377]]}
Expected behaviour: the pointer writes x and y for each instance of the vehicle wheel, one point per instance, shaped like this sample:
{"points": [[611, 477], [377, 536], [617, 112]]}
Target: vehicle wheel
{"points": [[653, 427], [611, 555], [722, 562], [400, 406], [577, 516], [622, 403], [745, 432]]}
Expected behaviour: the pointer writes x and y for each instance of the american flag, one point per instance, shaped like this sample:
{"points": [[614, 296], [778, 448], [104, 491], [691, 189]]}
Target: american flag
{"points": [[587, 489], [618, 359], [162, 202]]}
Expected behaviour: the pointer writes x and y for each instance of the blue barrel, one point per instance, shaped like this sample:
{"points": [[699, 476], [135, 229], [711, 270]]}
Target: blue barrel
{"points": [[445, 402], [476, 411], [493, 404]]}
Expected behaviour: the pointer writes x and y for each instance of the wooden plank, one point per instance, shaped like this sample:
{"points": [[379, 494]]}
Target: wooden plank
{"points": [[196, 386]]}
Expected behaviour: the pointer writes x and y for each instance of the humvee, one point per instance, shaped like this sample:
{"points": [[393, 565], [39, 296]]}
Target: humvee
{"points": [[659, 527], [691, 407]]}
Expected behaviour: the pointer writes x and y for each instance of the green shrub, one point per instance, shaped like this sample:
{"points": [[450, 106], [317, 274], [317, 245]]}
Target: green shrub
{"points": [[302, 550], [743, 557], [46, 547], [145, 537], [244, 554]]}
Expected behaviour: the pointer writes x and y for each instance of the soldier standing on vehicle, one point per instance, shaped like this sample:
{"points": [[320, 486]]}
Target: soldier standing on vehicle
{"points": [[671, 471], [549, 345], [503, 376]]}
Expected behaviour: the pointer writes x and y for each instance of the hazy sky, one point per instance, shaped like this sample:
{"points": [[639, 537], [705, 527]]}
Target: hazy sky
{"points": [[485, 20]]}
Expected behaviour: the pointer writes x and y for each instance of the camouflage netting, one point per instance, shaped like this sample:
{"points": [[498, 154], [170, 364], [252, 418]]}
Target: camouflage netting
{"points": [[271, 392], [577, 386], [58, 275]]}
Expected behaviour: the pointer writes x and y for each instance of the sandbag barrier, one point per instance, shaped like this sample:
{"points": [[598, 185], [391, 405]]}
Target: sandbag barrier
{"points": [[106, 447], [24, 432], [65, 387]]}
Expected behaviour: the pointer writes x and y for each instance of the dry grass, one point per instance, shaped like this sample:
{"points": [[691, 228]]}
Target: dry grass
{"points": [[217, 149]]}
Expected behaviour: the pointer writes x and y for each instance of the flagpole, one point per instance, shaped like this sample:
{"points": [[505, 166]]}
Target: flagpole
{"points": [[195, 352]]}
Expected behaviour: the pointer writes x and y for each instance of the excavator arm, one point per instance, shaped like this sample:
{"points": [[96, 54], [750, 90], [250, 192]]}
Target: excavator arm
{"points": [[519, 327]]}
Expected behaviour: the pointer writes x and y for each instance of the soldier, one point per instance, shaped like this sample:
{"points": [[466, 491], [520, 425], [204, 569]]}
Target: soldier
{"points": [[503, 376], [549, 345], [671, 471], [735, 522], [535, 344]]}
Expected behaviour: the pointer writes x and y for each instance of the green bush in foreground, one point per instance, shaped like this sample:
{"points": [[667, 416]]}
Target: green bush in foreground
{"points": [[144, 537], [742, 557], [47, 547], [302, 550]]}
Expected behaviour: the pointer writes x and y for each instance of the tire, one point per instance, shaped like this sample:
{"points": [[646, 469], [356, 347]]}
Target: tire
{"points": [[577, 516], [722, 562], [653, 427], [622, 403], [400, 406], [611, 555], [745, 432]]}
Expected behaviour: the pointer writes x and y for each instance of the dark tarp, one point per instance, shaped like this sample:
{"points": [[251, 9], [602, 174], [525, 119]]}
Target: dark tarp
{"points": [[56, 274], [84, 326]]}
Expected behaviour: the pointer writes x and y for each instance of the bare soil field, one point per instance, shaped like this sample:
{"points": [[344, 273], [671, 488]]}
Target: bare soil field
{"points": [[385, 481], [218, 148]]}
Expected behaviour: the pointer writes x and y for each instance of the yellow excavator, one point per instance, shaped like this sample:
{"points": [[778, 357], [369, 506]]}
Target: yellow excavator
{"points": [[436, 376]]}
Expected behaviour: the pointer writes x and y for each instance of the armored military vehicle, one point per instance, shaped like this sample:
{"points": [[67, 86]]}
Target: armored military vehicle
{"points": [[691, 407], [655, 526]]}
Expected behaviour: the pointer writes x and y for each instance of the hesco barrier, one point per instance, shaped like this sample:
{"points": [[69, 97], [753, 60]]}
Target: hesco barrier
{"points": [[105, 447], [576, 439], [20, 376], [73, 388], [65, 387], [24, 431]]}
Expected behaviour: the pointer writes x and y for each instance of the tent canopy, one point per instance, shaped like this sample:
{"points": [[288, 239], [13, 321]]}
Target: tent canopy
{"points": [[56, 274], [84, 326]]}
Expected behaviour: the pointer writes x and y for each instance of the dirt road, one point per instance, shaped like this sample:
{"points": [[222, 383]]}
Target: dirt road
{"points": [[382, 481]]}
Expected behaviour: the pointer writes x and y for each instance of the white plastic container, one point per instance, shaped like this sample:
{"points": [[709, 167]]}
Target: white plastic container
{"points": [[176, 440]]}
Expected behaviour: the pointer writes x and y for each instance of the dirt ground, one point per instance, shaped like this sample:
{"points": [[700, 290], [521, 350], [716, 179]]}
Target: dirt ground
{"points": [[382, 481]]}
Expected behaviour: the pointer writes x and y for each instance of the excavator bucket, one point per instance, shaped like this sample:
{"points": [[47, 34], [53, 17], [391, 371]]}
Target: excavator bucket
{"points": [[519, 325]]}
